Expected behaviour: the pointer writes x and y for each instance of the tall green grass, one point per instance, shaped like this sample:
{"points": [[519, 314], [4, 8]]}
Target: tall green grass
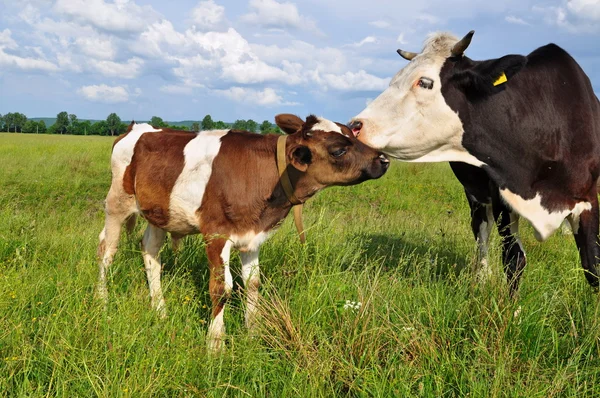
{"points": [[401, 246]]}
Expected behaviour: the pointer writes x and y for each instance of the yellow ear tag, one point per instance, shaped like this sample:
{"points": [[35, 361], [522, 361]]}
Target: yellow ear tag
{"points": [[501, 79]]}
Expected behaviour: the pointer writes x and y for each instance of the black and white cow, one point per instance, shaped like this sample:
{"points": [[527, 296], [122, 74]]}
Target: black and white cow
{"points": [[522, 133]]}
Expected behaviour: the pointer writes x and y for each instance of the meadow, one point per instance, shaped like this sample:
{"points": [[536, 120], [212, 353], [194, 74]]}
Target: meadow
{"points": [[400, 246]]}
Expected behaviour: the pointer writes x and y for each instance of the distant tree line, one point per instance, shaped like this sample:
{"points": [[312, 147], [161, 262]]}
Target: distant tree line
{"points": [[69, 124]]}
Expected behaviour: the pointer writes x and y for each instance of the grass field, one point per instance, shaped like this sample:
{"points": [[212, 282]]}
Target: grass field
{"points": [[401, 246]]}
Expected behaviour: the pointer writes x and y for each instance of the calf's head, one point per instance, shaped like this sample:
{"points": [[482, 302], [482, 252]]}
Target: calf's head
{"points": [[326, 153], [417, 117]]}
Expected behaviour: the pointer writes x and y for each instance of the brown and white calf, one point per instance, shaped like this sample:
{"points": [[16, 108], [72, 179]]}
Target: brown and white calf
{"points": [[225, 185]]}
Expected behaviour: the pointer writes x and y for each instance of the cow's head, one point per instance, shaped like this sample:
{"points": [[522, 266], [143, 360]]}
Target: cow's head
{"points": [[417, 117], [327, 153]]}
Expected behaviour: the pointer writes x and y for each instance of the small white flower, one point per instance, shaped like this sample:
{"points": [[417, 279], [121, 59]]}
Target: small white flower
{"points": [[352, 305]]}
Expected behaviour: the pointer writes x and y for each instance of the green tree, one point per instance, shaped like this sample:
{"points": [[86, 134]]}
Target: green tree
{"points": [[73, 125], [14, 121], [207, 123], [113, 123], [251, 125], [239, 124], [84, 127], [8, 121], [42, 127], [30, 126], [100, 128], [265, 127], [62, 122], [220, 125], [195, 127], [1, 122], [157, 122]]}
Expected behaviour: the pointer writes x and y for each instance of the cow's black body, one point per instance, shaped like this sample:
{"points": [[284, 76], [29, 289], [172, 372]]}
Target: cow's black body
{"points": [[538, 134]]}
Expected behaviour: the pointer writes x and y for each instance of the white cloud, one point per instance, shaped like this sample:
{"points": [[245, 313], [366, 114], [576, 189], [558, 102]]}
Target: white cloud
{"points": [[255, 71], [585, 9], [575, 16], [128, 70], [401, 39], [208, 15], [97, 47], [267, 97], [307, 55], [8, 60], [271, 14], [104, 93], [428, 18], [120, 16], [366, 40], [515, 20], [381, 24], [6, 40], [175, 89], [30, 14], [352, 81]]}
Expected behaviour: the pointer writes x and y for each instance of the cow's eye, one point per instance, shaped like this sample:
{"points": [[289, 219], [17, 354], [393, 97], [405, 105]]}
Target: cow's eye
{"points": [[425, 82], [338, 153]]}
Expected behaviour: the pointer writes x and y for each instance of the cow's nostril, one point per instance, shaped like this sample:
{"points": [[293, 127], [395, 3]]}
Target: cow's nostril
{"points": [[355, 126], [383, 159]]}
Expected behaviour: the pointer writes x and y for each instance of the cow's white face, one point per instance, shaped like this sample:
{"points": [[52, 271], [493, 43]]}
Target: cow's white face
{"points": [[411, 120]]}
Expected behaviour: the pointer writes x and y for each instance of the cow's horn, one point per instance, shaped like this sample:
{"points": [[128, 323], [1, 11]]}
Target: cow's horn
{"points": [[407, 55], [460, 47]]}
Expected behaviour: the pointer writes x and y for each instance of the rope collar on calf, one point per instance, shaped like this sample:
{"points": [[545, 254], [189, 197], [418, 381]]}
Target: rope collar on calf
{"points": [[286, 184]]}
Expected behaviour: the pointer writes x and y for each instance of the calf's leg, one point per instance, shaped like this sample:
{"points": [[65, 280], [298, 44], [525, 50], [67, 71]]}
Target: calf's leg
{"points": [[220, 286], [117, 208], [251, 278], [153, 240]]}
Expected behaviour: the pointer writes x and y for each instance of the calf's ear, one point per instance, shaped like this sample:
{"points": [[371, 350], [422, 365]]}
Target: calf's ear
{"points": [[289, 123], [300, 157], [489, 77]]}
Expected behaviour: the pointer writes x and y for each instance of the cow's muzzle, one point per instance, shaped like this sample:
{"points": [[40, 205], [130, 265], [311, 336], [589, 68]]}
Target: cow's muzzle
{"points": [[355, 126]]}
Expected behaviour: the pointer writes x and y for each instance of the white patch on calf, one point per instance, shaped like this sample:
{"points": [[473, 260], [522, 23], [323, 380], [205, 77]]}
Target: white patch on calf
{"points": [[544, 222], [188, 191], [123, 150], [216, 330], [250, 241], [326, 125], [225, 255]]}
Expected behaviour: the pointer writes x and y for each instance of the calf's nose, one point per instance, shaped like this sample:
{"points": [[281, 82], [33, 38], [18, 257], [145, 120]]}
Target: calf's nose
{"points": [[355, 126]]}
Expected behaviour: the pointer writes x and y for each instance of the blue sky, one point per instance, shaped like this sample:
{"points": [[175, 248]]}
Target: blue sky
{"points": [[252, 58]]}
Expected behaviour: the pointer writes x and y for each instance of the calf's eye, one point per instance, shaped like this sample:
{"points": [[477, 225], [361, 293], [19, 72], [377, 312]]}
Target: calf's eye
{"points": [[339, 153], [425, 82]]}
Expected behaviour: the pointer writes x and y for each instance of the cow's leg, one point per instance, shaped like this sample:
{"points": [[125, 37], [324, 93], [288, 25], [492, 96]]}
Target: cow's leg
{"points": [[251, 278], [482, 222], [220, 286], [117, 208], [585, 230], [513, 255], [153, 240]]}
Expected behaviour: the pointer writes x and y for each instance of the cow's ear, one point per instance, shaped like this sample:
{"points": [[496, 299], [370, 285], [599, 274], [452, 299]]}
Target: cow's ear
{"points": [[300, 157], [491, 76], [289, 123]]}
